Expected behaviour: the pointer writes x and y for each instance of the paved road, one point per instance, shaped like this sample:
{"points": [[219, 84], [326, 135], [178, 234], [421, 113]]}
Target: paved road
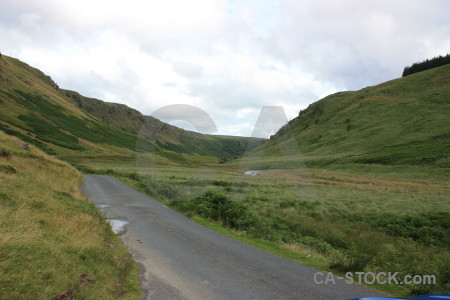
{"points": [[184, 260]]}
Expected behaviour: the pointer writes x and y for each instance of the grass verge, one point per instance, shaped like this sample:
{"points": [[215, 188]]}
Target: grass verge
{"points": [[53, 243]]}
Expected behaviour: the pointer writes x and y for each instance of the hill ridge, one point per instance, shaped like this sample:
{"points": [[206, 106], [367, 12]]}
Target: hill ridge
{"points": [[401, 121], [61, 121]]}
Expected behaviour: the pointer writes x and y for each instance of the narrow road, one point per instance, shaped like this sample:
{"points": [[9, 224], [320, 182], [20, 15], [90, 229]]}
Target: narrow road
{"points": [[184, 260]]}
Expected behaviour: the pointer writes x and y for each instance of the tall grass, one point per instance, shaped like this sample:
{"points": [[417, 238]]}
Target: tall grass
{"points": [[52, 241], [334, 217]]}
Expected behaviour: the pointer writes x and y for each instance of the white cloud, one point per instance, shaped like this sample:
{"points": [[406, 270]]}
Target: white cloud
{"points": [[229, 58]]}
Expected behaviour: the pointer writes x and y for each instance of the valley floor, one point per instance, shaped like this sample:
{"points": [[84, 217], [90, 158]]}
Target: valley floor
{"points": [[349, 218]]}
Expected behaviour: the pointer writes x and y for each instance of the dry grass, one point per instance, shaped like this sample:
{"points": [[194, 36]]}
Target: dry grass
{"points": [[50, 235]]}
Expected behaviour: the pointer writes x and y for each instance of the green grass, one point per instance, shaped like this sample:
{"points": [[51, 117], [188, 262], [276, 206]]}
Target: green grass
{"points": [[8, 169], [333, 215], [52, 240], [77, 127], [400, 122], [332, 200], [163, 136], [358, 181], [28, 139], [301, 254], [66, 123], [430, 228]]}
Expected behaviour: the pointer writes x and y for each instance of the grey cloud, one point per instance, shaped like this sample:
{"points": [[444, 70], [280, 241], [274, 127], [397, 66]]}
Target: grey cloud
{"points": [[357, 43], [345, 44]]}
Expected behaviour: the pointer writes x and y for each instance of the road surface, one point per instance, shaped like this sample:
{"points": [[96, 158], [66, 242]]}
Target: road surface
{"points": [[184, 260]]}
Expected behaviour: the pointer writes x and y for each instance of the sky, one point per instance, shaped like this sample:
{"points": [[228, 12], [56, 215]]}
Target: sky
{"points": [[228, 59]]}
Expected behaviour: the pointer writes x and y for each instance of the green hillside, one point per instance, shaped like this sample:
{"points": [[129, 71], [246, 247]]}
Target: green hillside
{"points": [[34, 109], [168, 137], [66, 123], [359, 181], [53, 242], [403, 121]]}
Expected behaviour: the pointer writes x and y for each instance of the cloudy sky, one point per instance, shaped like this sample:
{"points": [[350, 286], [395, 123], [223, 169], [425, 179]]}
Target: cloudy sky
{"points": [[228, 58]]}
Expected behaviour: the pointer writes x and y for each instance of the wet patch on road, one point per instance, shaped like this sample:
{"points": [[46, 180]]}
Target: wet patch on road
{"points": [[118, 226], [102, 205]]}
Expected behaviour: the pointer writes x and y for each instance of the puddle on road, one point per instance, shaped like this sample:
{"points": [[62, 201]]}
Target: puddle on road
{"points": [[118, 226], [102, 205], [252, 172]]}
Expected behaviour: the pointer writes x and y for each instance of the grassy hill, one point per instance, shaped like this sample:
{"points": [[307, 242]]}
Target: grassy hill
{"points": [[66, 123], [403, 121], [53, 243], [167, 137], [359, 181], [34, 110]]}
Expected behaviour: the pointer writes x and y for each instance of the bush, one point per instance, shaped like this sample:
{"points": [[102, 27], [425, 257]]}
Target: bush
{"points": [[216, 206], [135, 177], [317, 244], [432, 228], [157, 188], [266, 229]]}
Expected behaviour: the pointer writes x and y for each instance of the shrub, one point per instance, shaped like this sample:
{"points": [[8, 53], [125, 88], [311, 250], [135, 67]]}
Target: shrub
{"points": [[432, 228], [134, 176], [157, 188], [216, 206], [317, 244]]}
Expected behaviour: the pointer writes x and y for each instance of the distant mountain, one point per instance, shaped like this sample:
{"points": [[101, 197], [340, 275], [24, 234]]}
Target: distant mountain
{"points": [[168, 137], [403, 121], [64, 122]]}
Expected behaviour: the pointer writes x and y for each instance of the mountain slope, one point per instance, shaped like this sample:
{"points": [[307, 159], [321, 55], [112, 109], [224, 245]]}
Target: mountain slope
{"points": [[168, 137], [66, 123], [403, 121], [34, 110]]}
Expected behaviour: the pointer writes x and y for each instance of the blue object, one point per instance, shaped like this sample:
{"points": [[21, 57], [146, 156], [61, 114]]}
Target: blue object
{"points": [[435, 297]]}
